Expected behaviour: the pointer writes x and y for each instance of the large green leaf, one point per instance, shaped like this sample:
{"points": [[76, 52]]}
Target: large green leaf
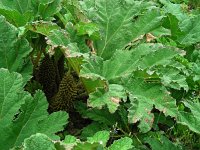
{"points": [[123, 63], [32, 118], [75, 38], [14, 50], [89, 7], [10, 100], [117, 25], [143, 97]]}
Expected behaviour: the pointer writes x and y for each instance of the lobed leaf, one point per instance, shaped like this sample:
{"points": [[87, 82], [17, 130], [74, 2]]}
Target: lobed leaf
{"points": [[32, 118], [117, 24], [123, 63], [104, 73], [143, 97]]}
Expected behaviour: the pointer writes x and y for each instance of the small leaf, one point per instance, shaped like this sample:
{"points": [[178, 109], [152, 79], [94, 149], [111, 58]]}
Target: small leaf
{"points": [[38, 142], [122, 144], [89, 29], [111, 98], [89, 146], [100, 137], [69, 139]]}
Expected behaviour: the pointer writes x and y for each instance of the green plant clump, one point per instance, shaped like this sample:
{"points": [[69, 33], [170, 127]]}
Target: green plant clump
{"points": [[100, 74]]}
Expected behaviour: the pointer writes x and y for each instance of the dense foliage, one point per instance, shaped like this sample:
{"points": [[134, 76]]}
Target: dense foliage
{"points": [[99, 74]]}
